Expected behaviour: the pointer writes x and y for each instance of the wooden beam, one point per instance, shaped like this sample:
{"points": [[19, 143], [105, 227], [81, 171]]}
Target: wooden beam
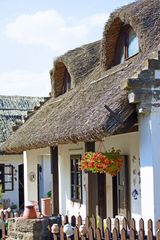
{"points": [[91, 186], [115, 116], [55, 181]]}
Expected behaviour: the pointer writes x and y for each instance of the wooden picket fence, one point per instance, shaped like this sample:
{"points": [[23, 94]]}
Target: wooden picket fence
{"points": [[107, 229], [95, 228]]}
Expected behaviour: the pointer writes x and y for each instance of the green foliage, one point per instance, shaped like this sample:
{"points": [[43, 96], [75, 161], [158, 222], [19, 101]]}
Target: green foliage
{"points": [[1, 191], [49, 194]]}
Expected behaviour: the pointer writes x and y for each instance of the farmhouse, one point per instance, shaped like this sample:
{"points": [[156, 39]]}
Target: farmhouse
{"points": [[104, 94], [13, 112]]}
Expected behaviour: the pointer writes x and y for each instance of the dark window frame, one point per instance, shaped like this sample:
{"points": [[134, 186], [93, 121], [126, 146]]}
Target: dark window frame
{"points": [[123, 45], [74, 176], [66, 81], [4, 175]]}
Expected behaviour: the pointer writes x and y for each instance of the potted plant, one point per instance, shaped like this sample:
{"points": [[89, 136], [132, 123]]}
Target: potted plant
{"points": [[98, 162]]}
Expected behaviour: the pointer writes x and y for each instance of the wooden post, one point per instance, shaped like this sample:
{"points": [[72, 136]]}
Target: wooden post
{"points": [[91, 186], [55, 182]]}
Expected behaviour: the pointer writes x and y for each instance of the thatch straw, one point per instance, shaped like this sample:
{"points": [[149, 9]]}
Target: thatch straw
{"points": [[80, 115], [143, 16], [13, 109]]}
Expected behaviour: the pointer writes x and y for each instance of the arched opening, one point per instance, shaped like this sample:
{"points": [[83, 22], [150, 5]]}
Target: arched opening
{"points": [[127, 45], [62, 79], [119, 42]]}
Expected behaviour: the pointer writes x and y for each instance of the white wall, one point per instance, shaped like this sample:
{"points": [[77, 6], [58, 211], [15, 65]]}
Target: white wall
{"points": [[129, 145], [32, 158], [14, 160], [66, 205]]}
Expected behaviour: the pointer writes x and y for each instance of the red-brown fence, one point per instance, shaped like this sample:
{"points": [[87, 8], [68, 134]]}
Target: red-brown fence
{"points": [[97, 229], [107, 229]]}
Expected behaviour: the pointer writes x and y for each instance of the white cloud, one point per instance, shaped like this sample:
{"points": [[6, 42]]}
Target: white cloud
{"points": [[49, 28], [25, 83], [97, 20]]}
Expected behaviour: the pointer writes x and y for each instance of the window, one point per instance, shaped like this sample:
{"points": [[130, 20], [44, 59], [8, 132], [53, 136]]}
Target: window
{"points": [[66, 81], [76, 179], [6, 177], [127, 45]]}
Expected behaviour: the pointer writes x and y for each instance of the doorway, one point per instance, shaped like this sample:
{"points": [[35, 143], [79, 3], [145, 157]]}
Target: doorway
{"points": [[120, 183], [21, 185]]}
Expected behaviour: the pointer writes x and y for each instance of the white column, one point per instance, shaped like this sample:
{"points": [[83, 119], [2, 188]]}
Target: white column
{"points": [[30, 169], [149, 129], [26, 190]]}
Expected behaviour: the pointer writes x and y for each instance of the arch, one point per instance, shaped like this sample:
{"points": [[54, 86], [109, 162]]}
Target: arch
{"points": [[127, 45], [110, 41], [61, 79]]}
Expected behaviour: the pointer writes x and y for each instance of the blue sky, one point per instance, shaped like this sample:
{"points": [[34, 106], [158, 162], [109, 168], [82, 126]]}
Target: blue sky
{"points": [[34, 32]]}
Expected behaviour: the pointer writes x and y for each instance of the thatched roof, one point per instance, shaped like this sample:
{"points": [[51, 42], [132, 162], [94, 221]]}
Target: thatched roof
{"points": [[80, 115], [79, 62], [13, 110], [143, 16]]}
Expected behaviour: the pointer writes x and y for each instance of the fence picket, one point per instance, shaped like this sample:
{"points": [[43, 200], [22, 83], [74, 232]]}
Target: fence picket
{"points": [[98, 234], [61, 233], [150, 224], [76, 233], [65, 220], [123, 234], [132, 234], [79, 221], [158, 225], [124, 223], [116, 225], [73, 221], [109, 224], [141, 224], [133, 224], [93, 225], [150, 234], [141, 234], [90, 233], [55, 236], [107, 234], [114, 234], [100, 226], [158, 234]]}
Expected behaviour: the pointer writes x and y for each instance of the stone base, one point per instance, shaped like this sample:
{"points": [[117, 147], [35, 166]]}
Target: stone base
{"points": [[29, 229]]}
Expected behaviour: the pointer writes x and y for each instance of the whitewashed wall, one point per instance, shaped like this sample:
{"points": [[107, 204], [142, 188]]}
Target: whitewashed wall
{"points": [[31, 159], [14, 160], [66, 205], [129, 145]]}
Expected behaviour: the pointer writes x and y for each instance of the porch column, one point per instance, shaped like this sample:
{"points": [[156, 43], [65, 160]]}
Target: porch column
{"points": [[30, 178], [91, 186], [145, 92], [55, 182], [149, 129]]}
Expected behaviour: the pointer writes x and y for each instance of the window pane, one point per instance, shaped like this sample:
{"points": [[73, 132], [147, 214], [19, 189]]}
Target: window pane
{"points": [[121, 199], [78, 179], [8, 186], [78, 192], [72, 178], [73, 192], [8, 178], [133, 46]]}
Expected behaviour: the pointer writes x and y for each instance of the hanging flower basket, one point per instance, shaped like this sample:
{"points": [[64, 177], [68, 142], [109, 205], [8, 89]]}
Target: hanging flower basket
{"points": [[98, 162]]}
